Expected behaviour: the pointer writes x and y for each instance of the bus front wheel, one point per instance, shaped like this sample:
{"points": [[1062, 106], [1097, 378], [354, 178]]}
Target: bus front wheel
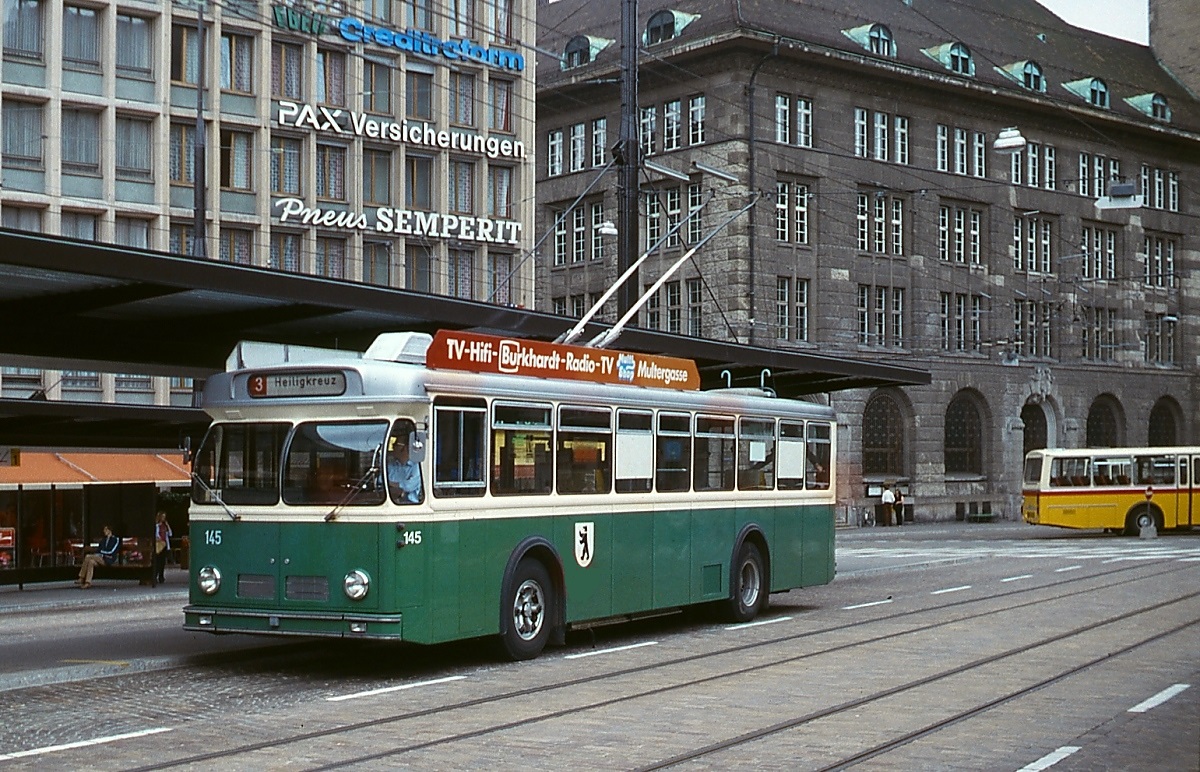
{"points": [[528, 599], [749, 591]]}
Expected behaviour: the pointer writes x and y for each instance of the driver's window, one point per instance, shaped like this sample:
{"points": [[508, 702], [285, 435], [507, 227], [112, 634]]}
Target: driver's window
{"points": [[403, 470]]}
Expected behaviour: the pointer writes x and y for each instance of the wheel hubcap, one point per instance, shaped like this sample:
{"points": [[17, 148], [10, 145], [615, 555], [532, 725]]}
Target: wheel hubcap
{"points": [[751, 584], [529, 610]]}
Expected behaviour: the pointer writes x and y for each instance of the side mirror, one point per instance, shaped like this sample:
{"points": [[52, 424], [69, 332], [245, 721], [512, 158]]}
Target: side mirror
{"points": [[186, 449], [417, 443]]}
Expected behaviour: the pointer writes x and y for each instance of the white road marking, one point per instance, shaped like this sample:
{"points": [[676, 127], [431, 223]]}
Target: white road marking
{"points": [[1158, 699], [1068, 568], [610, 651], [81, 744], [401, 687], [951, 589], [1050, 759], [867, 605], [758, 623], [1017, 578]]}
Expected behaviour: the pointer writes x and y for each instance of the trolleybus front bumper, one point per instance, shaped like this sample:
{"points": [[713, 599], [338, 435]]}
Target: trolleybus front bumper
{"points": [[333, 625]]}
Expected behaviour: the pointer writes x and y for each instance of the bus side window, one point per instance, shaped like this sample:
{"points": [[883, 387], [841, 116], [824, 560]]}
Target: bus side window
{"points": [[459, 446], [673, 452]]}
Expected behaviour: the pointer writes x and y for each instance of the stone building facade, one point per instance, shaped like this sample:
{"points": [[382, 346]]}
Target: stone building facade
{"points": [[896, 216]]}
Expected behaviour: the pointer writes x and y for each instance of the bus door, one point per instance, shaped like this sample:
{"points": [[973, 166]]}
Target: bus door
{"points": [[1191, 507]]}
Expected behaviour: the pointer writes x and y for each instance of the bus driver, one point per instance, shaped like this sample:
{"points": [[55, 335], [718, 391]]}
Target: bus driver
{"points": [[403, 474]]}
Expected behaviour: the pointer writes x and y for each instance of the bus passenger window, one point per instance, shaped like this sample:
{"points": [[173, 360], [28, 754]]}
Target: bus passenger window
{"points": [[522, 463], [819, 455], [460, 439], [584, 450], [791, 456], [674, 452], [715, 463], [403, 472], [635, 451], [756, 454]]}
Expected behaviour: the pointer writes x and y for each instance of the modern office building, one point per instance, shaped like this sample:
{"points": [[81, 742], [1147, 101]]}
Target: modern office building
{"points": [[972, 187], [381, 141]]}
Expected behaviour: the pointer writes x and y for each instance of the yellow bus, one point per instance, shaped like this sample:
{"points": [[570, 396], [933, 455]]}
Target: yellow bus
{"points": [[1117, 489]]}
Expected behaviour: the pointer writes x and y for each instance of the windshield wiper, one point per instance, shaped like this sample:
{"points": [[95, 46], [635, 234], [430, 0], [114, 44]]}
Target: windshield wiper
{"points": [[358, 486], [217, 497]]}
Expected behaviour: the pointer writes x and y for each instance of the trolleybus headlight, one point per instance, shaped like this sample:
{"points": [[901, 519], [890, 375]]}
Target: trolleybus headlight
{"points": [[209, 579], [356, 584]]}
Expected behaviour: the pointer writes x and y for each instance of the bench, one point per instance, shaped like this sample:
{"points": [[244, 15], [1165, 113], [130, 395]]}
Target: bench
{"points": [[142, 573]]}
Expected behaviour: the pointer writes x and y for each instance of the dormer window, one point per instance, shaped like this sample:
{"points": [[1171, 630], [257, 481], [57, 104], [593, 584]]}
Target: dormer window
{"points": [[1098, 93], [1031, 74], [666, 25], [880, 42], [960, 60], [1159, 109], [577, 53]]}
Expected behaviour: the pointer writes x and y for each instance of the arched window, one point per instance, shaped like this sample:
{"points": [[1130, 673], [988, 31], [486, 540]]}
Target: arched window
{"points": [[880, 42], [960, 60], [660, 28], [883, 437], [1034, 418], [578, 52], [1164, 417], [1098, 94], [1102, 428], [963, 445], [1159, 108], [1032, 73]]}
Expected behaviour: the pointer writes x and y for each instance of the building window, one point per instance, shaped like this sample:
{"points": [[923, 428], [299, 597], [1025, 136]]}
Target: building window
{"points": [[22, 127], [182, 161], [78, 225], [960, 234], [499, 19], [81, 140], [695, 310], [377, 263], [578, 234], [418, 98], [462, 99], [1098, 93], [460, 273], [236, 245], [418, 182], [1160, 109], [554, 153], [881, 315], [331, 77], [285, 164], [286, 70], [560, 237], [236, 155], [377, 87], [377, 10], [883, 437], [880, 42], [1031, 75], [672, 196], [23, 28], [653, 220], [285, 252], [462, 187], [500, 191], [185, 55], [963, 442], [377, 176], [181, 240], [22, 218], [131, 232], [1032, 328], [134, 48], [661, 27], [1033, 243], [577, 52], [576, 151], [791, 212], [330, 258], [672, 114], [500, 273], [331, 172], [237, 63], [648, 129], [599, 141], [1098, 246], [1159, 254], [881, 226], [81, 37], [1159, 336], [1098, 331], [960, 60], [597, 237], [418, 268], [418, 14], [696, 117], [695, 223], [500, 103]]}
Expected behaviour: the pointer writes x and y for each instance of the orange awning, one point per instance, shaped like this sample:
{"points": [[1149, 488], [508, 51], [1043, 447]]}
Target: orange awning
{"points": [[39, 467]]}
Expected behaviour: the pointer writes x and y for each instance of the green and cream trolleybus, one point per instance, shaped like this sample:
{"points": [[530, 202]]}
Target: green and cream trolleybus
{"points": [[465, 485]]}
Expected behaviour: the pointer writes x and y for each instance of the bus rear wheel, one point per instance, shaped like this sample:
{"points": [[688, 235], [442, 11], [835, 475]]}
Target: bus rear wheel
{"points": [[1142, 517], [528, 600], [748, 593]]}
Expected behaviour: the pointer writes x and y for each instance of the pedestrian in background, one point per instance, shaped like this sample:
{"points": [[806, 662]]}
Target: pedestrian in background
{"points": [[899, 506], [888, 499], [162, 546], [110, 545]]}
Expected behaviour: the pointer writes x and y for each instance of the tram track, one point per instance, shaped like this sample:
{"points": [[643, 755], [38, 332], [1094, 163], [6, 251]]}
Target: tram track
{"points": [[347, 729]]}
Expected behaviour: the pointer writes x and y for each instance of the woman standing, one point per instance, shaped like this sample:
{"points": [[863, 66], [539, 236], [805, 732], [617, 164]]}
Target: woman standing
{"points": [[162, 546]]}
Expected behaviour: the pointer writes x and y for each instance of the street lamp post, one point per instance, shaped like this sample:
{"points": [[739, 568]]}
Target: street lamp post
{"points": [[628, 156]]}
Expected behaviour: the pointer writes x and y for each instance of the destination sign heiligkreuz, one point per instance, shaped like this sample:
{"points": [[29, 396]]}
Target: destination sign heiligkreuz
{"points": [[478, 353]]}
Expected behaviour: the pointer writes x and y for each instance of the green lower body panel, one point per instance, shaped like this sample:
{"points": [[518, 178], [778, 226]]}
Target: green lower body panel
{"points": [[210, 620]]}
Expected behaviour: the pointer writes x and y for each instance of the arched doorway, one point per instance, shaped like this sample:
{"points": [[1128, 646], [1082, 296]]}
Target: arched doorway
{"points": [[1165, 417], [1036, 431], [1105, 427], [963, 438], [883, 437]]}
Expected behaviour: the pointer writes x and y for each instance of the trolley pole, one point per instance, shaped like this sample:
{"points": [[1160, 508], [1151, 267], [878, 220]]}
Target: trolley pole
{"points": [[628, 157]]}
